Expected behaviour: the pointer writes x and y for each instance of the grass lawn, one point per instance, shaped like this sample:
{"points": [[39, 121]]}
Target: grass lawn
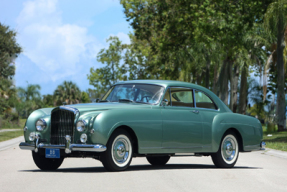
{"points": [[6, 125], [278, 140], [10, 134]]}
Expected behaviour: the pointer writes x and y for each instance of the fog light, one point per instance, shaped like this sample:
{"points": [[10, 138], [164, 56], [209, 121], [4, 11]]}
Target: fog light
{"points": [[32, 136], [83, 138]]}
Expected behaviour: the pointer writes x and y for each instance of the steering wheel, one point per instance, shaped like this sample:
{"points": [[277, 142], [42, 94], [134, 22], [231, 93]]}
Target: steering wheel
{"points": [[147, 98]]}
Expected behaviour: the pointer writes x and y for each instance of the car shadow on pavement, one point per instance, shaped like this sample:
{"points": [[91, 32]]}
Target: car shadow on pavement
{"points": [[139, 168]]}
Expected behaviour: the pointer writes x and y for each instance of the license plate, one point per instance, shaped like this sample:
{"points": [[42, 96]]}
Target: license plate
{"points": [[52, 153]]}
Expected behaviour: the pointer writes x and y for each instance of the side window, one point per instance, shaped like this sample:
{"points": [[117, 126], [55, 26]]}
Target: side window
{"points": [[203, 101], [181, 97], [167, 96]]}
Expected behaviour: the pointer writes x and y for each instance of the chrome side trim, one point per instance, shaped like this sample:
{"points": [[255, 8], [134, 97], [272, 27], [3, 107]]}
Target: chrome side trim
{"points": [[183, 154], [73, 147], [188, 147]]}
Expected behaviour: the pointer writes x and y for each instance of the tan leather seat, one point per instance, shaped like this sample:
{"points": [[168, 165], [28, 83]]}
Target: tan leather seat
{"points": [[205, 105]]}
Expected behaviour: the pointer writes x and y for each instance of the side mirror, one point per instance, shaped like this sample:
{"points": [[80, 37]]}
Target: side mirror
{"points": [[96, 100], [164, 102]]}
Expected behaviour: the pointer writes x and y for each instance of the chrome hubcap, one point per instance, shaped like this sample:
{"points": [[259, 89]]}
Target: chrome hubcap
{"points": [[229, 148], [121, 150]]}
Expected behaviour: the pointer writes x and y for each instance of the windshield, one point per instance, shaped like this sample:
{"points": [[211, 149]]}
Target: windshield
{"points": [[138, 93]]}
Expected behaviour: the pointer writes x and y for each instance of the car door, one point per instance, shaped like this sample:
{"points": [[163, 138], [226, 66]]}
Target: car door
{"points": [[208, 110], [182, 124]]}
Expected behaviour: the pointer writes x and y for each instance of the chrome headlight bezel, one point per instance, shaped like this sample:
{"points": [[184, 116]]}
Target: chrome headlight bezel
{"points": [[81, 125], [40, 125]]}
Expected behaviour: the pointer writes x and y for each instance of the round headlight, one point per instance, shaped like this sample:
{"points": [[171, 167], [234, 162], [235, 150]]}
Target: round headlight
{"points": [[81, 125], [83, 138], [41, 125]]}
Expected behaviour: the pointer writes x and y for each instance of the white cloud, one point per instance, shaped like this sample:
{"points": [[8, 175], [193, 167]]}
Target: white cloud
{"points": [[123, 37], [55, 47]]}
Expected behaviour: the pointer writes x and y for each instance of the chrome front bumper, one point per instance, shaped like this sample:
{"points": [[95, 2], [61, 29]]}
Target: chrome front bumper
{"points": [[69, 147], [262, 145], [73, 147]]}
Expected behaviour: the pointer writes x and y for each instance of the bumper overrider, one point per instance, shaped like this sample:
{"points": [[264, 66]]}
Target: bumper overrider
{"points": [[69, 147]]}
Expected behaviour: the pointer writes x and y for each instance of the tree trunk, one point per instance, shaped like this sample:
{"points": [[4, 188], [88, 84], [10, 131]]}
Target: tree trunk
{"points": [[199, 78], [207, 72], [223, 82], [265, 75], [215, 80], [280, 77], [234, 76], [243, 91]]}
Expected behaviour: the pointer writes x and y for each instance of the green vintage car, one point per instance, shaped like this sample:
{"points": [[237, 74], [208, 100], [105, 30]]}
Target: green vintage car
{"points": [[155, 119]]}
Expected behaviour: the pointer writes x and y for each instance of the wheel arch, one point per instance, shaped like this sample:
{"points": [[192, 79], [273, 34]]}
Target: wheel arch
{"points": [[132, 134], [238, 136]]}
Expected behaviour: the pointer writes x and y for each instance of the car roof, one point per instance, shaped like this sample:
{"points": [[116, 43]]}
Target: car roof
{"points": [[165, 83], [171, 83]]}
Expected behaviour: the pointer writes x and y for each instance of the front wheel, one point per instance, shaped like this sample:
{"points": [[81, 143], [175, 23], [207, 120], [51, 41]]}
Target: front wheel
{"points": [[228, 152], [46, 164], [118, 155], [157, 160]]}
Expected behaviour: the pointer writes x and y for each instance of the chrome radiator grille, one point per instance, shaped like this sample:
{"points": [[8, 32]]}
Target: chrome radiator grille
{"points": [[62, 124]]}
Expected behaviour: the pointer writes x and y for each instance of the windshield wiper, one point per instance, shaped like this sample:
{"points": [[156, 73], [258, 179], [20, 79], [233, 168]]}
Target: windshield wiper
{"points": [[104, 100], [126, 100]]}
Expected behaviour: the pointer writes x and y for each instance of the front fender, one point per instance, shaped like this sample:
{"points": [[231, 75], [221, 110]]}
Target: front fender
{"points": [[45, 114], [146, 123]]}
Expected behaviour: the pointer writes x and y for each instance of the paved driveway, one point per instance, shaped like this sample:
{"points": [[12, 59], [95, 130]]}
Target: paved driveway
{"points": [[253, 172]]}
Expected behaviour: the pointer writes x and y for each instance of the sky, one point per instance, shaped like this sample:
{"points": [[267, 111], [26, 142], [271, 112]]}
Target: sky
{"points": [[61, 38]]}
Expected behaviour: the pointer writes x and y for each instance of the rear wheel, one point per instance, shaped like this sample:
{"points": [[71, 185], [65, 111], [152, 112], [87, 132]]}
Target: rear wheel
{"points": [[228, 152], [118, 155], [46, 164], [157, 160]]}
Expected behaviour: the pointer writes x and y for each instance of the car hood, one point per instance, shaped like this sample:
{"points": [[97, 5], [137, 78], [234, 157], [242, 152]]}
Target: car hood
{"points": [[107, 106], [99, 107]]}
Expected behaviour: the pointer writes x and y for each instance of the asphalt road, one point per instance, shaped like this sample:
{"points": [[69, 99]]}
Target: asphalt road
{"points": [[254, 171]]}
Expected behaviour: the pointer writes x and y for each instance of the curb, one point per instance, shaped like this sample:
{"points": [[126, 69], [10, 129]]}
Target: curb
{"points": [[7, 130], [10, 143], [275, 153]]}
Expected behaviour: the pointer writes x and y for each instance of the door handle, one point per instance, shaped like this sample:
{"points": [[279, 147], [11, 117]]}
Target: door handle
{"points": [[195, 111]]}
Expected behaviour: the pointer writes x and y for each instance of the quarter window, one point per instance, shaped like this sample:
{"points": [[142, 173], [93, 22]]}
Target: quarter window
{"points": [[203, 101]]}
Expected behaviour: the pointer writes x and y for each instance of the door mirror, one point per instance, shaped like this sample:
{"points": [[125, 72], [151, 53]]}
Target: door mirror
{"points": [[164, 102], [96, 100]]}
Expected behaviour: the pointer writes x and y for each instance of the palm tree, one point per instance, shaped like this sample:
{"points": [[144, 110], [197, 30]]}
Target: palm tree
{"points": [[30, 99], [68, 92], [32, 92], [275, 21]]}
